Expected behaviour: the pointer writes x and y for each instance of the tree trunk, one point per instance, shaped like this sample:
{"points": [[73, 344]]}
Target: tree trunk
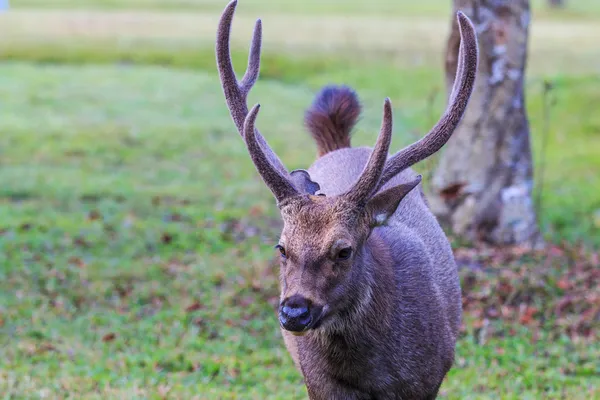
{"points": [[482, 187]]}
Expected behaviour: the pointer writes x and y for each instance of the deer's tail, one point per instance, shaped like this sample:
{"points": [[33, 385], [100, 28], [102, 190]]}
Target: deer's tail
{"points": [[331, 117]]}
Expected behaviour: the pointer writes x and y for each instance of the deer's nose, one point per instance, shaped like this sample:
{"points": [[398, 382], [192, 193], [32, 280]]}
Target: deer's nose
{"points": [[294, 313]]}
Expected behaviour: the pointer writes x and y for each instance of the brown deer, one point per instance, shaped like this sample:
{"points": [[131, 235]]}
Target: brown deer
{"points": [[370, 296]]}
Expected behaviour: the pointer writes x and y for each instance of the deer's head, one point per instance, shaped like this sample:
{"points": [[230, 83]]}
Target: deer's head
{"points": [[323, 236]]}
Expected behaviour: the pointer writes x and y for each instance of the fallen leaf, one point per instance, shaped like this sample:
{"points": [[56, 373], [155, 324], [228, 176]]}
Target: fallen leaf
{"points": [[77, 261], [44, 348], [94, 215], [193, 307], [166, 238], [80, 241], [527, 316], [109, 337], [563, 284]]}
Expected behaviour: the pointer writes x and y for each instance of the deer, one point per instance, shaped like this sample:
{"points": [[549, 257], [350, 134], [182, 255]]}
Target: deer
{"points": [[370, 297]]}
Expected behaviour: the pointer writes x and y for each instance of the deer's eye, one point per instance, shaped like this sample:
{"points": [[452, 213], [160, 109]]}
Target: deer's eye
{"points": [[344, 253], [281, 250]]}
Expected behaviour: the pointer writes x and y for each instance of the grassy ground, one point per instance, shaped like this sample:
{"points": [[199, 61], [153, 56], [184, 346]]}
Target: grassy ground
{"points": [[135, 236]]}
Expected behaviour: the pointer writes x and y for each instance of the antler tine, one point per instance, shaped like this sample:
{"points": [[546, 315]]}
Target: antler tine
{"points": [[460, 62], [367, 182], [279, 185], [235, 98], [459, 99], [253, 69], [236, 93]]}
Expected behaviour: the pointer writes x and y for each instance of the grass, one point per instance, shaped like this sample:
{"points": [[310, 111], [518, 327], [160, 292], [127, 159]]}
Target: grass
{"points": [[135, 235]]}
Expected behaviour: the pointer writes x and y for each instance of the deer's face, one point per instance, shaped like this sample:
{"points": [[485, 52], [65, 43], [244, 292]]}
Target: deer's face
{"points": [[319, 244]]}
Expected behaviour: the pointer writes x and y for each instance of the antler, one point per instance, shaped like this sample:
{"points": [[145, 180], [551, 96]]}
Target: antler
{"points": [[279, 185], [367, 182], [236, 92], [236, 95], [459, 99]]}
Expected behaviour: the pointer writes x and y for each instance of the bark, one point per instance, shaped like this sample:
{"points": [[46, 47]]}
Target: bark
{"points": [[482, 187]]}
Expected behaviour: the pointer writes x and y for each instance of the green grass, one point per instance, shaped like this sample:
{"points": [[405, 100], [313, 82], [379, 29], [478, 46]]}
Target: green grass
{"points": [[114, 182], [135, 234]]}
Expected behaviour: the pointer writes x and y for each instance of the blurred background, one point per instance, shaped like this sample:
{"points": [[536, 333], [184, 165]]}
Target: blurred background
{"points": [[136, 237]]}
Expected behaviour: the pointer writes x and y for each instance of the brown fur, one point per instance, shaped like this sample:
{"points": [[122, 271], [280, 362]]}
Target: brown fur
{"points": [[370, 296], [331, 117]]}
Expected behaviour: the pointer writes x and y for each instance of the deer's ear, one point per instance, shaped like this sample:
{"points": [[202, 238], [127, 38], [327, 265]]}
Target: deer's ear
{"points": [[381, 206], [302, 182]]}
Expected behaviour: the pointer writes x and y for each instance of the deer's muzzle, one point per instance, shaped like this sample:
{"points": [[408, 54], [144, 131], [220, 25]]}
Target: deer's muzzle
{"points": [[297, 314]]}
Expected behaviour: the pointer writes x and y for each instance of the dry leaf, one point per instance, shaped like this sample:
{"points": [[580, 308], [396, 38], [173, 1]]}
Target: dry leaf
{"points": [[109, 337], [193, 307]]}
